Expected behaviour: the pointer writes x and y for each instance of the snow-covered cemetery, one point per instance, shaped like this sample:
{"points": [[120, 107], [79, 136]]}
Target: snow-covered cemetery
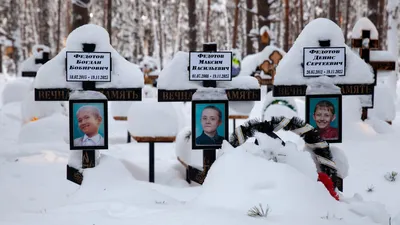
{"points": [[192, 112]]}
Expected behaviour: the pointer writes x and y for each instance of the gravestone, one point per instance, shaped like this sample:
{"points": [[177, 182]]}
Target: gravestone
{"points": [[40, 55], [365, 39], [174, 85], [325, 61], [88, 63]]}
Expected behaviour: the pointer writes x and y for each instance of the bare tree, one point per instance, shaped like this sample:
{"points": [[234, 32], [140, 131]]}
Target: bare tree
{"points": [[192, 25], [235, 24], [80, 15], [332, 10], [109, 18], [263, 7], [249, 27], [286, 36], [58, 26]]}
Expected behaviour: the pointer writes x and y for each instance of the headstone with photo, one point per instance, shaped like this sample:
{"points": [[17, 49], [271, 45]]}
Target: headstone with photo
{"points": [[365, 39], [88, 63], [337, 62], [40, 55], [326, 70], [208, 70]]}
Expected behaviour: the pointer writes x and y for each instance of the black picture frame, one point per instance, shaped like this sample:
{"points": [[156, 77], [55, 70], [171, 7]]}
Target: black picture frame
{"points": [[304, 67], [197, 106], [80, 52], [336, 101], [190, 70], [72, 124]]}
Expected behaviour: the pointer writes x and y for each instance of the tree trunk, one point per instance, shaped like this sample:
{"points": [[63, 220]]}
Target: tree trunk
{"points": [[373, 11], [208, 20], [286, 36], [105, 3], [332, 10], [380, 25], [58, 26], [263, 20], [160, 28], [393, 23], [301, 15], [192, 25], [109, 19], [249, 27], [68, 17], [338, 13], [80, 16], [346, 26], [235, 24]]}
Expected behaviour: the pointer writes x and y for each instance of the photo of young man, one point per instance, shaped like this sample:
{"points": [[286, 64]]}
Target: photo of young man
{"points": [[211, 119]]}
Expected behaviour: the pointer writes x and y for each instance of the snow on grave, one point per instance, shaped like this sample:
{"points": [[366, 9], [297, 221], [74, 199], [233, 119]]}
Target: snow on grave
{"points": [[365, 39], [262, 65], [32, 110], [290, 80], [16, 90], [385, 90], [117, 78], [285, 185], [150, 121], [40, 55], [174, 84], [150, 69]]}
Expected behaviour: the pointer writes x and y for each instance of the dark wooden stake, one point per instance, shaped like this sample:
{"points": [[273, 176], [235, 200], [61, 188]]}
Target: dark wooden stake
{"points": [[151, 162], [128, 139], [209, 155], [365, 54], [1, 58], [88, 156]]}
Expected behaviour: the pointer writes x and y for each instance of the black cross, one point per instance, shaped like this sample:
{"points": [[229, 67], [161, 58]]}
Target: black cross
{"points": [[365, 44], [46, 57]]}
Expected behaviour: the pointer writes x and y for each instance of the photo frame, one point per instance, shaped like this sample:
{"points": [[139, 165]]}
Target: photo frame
{"points": [[324, 112], [88, 124], [209, 117]]}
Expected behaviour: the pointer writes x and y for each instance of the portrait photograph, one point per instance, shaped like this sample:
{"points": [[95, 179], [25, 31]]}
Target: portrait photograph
{"points": [[209, 123], [88, 124], [324, 112]]}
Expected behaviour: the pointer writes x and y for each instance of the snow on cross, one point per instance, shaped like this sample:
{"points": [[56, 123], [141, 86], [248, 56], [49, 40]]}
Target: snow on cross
{"points": [[289, 79]]}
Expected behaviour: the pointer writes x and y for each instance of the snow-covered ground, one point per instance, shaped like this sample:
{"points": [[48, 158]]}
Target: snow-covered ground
{"points": [[34, 189]]}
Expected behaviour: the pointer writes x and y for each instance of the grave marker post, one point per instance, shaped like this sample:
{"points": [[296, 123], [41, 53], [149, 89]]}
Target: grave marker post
{"points": [[365, 45], [185, 95], [209, 155]]}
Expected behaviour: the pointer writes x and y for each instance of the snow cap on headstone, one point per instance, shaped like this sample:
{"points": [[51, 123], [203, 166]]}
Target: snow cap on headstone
{"points": [[290, 69], [364, 24], [91, 34], [123, 75]]}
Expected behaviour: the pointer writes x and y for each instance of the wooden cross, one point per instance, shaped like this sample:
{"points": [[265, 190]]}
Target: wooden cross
{"points": [[365, 43], [46, 57], [269, 67]]}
